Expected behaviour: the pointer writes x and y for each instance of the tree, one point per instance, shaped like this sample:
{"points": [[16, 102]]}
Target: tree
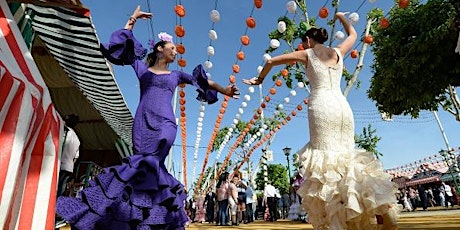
{"points": [[368, 141], [277, 174], [415, 66]]}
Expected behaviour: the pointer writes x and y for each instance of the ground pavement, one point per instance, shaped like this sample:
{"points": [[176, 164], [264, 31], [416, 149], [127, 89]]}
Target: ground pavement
{"points": [[435, 219], [440, 219]]}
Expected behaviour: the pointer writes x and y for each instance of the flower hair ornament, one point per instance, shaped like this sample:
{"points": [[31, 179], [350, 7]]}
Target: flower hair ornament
{"points": [[163, 37]]}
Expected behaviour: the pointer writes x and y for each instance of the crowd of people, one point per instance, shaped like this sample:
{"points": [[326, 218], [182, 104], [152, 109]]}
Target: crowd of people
{"points": [[427, 195], [233, 201]]}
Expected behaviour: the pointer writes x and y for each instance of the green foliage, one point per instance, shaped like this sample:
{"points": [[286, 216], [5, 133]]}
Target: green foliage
{"points": [[277, 174], [414, 58], [368, 141]]}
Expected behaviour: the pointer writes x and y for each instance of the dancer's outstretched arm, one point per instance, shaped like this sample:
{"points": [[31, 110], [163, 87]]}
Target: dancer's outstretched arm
{"points": [[136, 15]]}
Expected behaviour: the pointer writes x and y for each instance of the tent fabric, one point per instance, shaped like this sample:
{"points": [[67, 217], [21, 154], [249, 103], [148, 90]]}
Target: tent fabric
{"points": [[30, 135], [424, 180], [71, 39]]}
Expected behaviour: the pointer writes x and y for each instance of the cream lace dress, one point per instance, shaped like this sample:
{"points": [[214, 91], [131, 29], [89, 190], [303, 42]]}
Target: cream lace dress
{"points": [[343, 188]]}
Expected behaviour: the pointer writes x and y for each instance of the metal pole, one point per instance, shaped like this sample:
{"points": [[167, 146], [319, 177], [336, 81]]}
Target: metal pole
{"points": [[447, 153], [441, 129]]}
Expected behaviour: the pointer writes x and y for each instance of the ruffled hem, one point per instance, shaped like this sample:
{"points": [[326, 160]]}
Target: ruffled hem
{"points": [[344, 190], [205, 94], [139, 194], [123, 48]]}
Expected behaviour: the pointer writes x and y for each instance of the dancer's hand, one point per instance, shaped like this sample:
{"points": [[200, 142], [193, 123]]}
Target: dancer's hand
{"points": [[341, 14], [232, 91], [252, 81], [141, 14]]}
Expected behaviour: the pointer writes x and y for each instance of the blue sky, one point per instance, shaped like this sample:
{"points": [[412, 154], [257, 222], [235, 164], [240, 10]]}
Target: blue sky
{"points": [[403, 141]]}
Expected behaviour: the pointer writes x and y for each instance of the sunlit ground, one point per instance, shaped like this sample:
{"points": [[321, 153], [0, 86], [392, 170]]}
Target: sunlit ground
{"points": [[435, 219]]}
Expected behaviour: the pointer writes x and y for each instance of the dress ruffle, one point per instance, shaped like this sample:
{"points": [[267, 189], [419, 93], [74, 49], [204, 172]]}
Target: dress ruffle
{"points": [[123, 48], [344, 189], [139, 194], [205, 94]]}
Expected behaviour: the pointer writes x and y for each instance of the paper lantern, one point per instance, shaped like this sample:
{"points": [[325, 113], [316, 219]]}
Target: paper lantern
{"points": [[274, 43], [212, 34], [180, 11], [215, 16], [281, 26], [210, 50], [354, 18], [339, 35], [291, 6], [208, 65]]}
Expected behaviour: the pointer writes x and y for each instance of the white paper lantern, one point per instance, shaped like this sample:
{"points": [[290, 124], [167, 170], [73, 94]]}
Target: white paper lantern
{"points": [[291, 6], [354, 18], [372, 1], [244, 104], [215, 16], [286, 100], [264, 126], [210, 51], [208, 65], [339, 35], [201, 114], [247, 97], [251, 89], [259, 69], [274, 43], [208, 75], [300, 84], [200, 119], [212, 34], [199, 124], [235, 121], [280, 106], [238, 116], [267, 57], [240, 110], [293, 93], [281, 26]]}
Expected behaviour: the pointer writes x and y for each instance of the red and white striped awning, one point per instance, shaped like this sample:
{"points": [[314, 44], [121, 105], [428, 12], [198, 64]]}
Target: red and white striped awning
{"points": [[424, 180], [30, 135]]}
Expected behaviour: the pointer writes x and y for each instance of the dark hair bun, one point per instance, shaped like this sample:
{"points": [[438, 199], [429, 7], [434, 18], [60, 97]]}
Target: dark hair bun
{"points": [[320, 35]]}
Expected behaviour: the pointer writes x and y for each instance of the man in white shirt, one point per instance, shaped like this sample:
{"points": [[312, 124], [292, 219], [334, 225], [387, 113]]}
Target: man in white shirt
{"points": [[70, 152], [270, 193]]}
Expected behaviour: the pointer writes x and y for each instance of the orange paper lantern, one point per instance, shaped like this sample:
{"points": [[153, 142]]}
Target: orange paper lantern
{"points": [[278, 82], [384, 23], [272, 91], [323, 12], [258, 4], [245, 40], [368, 39], [180, 11], [250, 22], [179, 30], [240, 55], [236, 68], [232, 79], [181, 62], [284, 72], [354, 53], [180, 48]]}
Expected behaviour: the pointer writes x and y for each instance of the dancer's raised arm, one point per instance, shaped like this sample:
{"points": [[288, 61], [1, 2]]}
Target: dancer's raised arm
{"points": [[136, 15]]}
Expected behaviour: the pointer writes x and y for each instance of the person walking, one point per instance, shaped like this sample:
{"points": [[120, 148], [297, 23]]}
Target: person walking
{"points": [[270, 200], [210, 202]]}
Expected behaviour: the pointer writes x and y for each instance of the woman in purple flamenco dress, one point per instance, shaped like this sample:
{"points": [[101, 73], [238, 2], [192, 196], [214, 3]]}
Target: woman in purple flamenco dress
{"points": [[140, 193]]}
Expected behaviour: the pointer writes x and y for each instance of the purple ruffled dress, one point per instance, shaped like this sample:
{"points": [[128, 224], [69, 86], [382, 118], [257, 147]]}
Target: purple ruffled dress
{"points": [[140, 193]]}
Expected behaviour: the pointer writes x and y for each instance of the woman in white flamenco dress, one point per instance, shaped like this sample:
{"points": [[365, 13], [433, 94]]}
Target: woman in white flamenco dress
{"points": [[343, 188]]}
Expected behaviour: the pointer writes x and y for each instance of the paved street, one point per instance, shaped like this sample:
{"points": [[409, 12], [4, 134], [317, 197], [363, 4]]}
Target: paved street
{"points": [[420, 220]]}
